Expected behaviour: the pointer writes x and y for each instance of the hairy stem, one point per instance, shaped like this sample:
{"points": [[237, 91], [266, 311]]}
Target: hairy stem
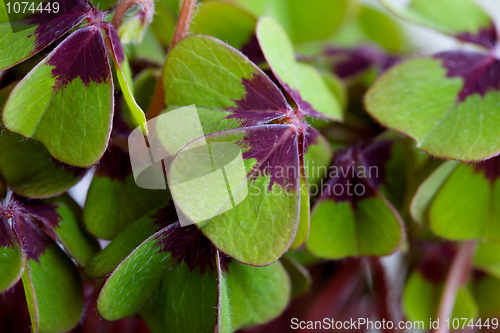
{"points": [[181, 31], [148, 8], [185, 18], [457, 276]]}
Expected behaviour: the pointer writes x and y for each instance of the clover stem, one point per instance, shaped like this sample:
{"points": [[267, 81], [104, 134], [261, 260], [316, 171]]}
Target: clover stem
{"points": [[126, 4], [157, 101], [181, 31], [185, 18], [457, 276]]}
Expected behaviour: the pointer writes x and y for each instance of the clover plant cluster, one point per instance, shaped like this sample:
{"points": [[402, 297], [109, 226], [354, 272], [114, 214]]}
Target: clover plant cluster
{"points": [[371, 172]]}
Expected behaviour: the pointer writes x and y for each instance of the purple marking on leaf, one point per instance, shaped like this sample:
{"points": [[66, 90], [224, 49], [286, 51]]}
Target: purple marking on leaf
{"points": [[349, 62], [347, 186], [304, 108], [357, 172], [310, 138], [189, 245], [121, 128], [28, 217], [486, 37], [436, 261], [14, 313], [263, 102], [6, 237], [8, 211], [388, 62], [376, 154], [34, 241], [253, 51], [490, 168], [82, 55], [255, 117], [165, 216], [52, 26], [115, 164], [261, 94], [42, 211], [276, 149], [116, 45], [480, 72]]}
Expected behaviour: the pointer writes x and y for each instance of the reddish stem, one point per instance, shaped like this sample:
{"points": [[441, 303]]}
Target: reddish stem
{"points": [[157, 103], [382, 294], [185, 18], [181, 31], [457, 276], [337, 292]]}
